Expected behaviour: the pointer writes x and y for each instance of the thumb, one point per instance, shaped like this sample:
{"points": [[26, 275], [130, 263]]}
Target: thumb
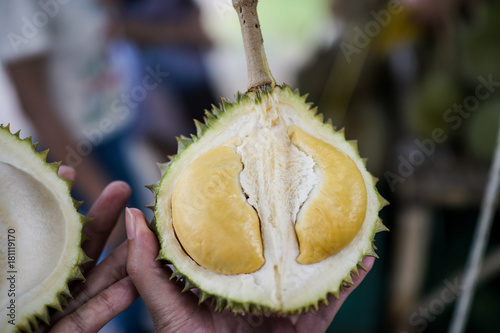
{"points": [[161, 296]]}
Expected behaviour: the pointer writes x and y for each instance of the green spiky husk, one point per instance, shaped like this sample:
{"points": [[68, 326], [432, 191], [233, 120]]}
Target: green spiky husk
{"points": [[31, 322], [220, 303]]}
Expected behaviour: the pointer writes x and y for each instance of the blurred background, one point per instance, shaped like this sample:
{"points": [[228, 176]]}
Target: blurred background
{"points": [[109, 84]]}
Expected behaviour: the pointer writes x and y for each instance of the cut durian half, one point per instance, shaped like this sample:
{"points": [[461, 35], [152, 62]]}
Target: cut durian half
{"points": [[271, 237], [268, 209], [40, 235]]}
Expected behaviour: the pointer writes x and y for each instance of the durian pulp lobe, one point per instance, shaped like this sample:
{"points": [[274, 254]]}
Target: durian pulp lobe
{"points": [[211, 218], [33, 215], [334, 214]]}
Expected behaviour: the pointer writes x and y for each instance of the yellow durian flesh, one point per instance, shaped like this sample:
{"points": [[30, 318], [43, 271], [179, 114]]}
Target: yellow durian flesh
{"points": [[212, 221], [331, 219]]}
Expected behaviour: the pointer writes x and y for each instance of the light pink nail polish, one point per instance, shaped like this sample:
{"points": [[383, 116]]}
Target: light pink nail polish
{"points": [[130, 224]]}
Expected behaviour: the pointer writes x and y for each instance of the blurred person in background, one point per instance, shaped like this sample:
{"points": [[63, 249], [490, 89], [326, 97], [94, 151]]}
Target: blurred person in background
{"points": [[79, 82], [57, 55], [169, 35]]}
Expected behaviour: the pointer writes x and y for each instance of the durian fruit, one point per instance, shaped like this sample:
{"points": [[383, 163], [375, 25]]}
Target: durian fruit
{"points": [[268, 209], [40, 235]]}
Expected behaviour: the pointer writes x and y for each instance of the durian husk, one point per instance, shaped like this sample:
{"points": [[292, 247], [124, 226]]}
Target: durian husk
{"points": [[220, 303], [71, 271]]}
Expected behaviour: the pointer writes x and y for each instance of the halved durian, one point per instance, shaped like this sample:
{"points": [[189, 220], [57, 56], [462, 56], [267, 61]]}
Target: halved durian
{"points": [[267, 209], [40, 235]]}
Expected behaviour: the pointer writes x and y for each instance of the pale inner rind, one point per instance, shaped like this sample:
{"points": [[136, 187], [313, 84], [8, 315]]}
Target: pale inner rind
{"points": [[36, 226], [267, 154], [35, 203]]}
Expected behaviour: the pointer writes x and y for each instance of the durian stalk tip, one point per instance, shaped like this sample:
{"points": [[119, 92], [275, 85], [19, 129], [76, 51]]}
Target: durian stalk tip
{"points": [[259, 73]]}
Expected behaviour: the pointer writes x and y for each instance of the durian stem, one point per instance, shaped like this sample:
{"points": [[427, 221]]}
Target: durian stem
{"points": [[258, 69]]}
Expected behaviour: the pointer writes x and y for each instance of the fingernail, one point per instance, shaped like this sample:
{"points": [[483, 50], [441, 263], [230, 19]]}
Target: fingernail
{"points": [[130, 224]]}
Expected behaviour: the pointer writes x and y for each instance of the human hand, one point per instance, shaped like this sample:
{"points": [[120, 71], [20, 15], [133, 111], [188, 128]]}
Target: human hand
{"points": [[175, 312], [108, 290]]}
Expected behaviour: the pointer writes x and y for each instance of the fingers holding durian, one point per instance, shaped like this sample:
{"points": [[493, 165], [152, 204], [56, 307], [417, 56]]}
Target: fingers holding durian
{"points": [[171, 311], [105, 213], [108, 290], [100, 309], [109, 272]]}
